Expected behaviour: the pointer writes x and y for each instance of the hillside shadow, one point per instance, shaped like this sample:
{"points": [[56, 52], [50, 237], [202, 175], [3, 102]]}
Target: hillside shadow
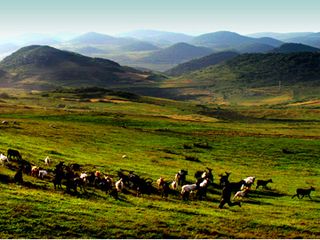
{"points": [[267, 193], [5, 179], [34, 186], [255, 202]]}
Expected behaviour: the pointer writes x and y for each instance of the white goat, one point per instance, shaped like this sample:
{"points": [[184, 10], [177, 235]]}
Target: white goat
{"points": [[248, 181], [35, 171], [242, 193], [174, 185], [119, 185], [187, 189], [42, 173], [47, 161], [3, 159], [204, 183], [84, 177], [160, 181]]}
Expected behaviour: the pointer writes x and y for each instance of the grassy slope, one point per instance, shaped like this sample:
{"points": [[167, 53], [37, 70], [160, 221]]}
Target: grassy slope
{"points": [[253, 78], [152, 134]]}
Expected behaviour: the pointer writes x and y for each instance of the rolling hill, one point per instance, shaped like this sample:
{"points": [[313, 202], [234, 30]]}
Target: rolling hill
{"points": [[177, 53], [200, 63], [294, 47], [39, 67], [225, 40], [101, 40], [254, 48], [258, 70], [272, 75]]}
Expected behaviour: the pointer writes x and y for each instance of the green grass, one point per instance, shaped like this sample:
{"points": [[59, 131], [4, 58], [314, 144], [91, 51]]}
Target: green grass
{"points": [[152, 133]]}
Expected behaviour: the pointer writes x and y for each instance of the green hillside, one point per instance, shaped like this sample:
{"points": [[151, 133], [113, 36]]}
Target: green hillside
{"points": [[294, 47], [41, 67], [273, 75], [200, 63], [95, 128]]}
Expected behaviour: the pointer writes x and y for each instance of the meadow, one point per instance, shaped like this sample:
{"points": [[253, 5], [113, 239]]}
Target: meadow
{"points": [[96, 130]]}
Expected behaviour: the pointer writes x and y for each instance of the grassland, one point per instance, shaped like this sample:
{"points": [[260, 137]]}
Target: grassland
{"points": [[96, 131]]}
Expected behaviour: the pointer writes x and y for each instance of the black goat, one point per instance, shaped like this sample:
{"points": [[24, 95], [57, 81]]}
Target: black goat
{"points": [[204, 174], [164, 189], [13, 153], [224, 179], [180, 177], [263, 183], [303, 192]]}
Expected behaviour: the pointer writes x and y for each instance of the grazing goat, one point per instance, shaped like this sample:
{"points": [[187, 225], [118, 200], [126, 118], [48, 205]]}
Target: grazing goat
{"points": [[59, 175], [35, 171], [164, 188], [106, 184], [119, 185], [3, 159], [84, 177], [263, 183], [224, 179], [303, 192], [160, 182], [205, 174], [42, 173], [75, 166], [18, 176], [202, 190], [186, 189], [180, 177], [249, 181], [47, 161], [13, 153], [242, 193], [174, 185]]}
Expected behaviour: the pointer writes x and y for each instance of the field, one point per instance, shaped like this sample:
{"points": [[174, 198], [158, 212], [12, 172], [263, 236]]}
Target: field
{"points": [[97, 129]]}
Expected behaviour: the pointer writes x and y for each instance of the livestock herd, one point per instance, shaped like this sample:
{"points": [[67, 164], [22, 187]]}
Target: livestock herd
{"points": [[129, 182]]}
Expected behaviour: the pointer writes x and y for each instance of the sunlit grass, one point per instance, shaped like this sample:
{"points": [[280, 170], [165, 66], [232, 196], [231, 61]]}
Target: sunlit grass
{"points": [[152, 134]]}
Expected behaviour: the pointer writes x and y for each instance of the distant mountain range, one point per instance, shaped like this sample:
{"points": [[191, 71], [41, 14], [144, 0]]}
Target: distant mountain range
{"points": [[161, 50], [177, 53], [229, 40], [221, 74], [158, 37], [280, 36], [310, 39]]}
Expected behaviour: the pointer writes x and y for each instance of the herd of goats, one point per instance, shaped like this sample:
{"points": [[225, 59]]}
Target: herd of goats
{"points": [[72, 177]]}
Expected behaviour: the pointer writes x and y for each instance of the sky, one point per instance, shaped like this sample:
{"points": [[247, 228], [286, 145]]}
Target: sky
{"points": [[187, 16]]}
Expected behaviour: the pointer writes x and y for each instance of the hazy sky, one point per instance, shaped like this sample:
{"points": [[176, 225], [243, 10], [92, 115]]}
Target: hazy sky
{"points": [[189, 16]]}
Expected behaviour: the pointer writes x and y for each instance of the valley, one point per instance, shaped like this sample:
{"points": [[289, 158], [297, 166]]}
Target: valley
{"points": [[151, 104]]}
